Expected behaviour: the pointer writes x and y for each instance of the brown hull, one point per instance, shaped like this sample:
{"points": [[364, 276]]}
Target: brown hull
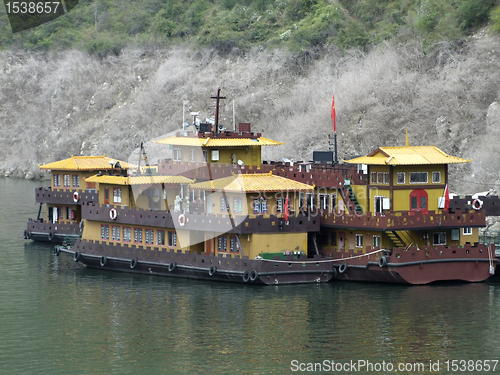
{"points": [[199, 266], [418, 266], [49, 232]]}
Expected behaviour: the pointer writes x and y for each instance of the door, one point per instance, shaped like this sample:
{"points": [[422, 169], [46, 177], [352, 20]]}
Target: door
{"points": [[378, 201], [106, 195], [342, 241], [418, 201]]}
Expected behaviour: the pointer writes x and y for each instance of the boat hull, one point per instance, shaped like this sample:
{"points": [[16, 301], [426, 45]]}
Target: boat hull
{"points": [[172, 263]]}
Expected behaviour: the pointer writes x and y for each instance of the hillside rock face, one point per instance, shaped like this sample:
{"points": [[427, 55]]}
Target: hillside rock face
{"points": [[55, 106]]}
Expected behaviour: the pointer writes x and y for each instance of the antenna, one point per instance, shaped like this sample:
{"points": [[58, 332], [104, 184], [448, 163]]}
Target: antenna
{"points": [[234, 121], [217, 97]]}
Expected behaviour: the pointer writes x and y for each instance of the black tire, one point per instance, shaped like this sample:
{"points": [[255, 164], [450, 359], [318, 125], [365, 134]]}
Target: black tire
{"points": [[343, 267], [334, 273], [212, 271], [28, 235], [77, 256], [254, 275], [133, 263], [57, 250], [171, 266], [50, 236], [382, 262], [103, 261], [25, 234], [246, 276]]}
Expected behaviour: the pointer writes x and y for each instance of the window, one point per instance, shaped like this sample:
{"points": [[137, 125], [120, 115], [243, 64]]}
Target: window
{"points": [[279, 203], [401, 177], [439, 238], [177, 154], [467, 231], [260, 205], [436, 177], [373, 178], [323, 201], [105, 232], [67, 213], [115, 232], [57, 180], [334, 203], [149, 236], [193, 155], [301, 201], [205, 156], [418, 177], [138, 235], [215, 155], [376, 241], [222, 242], [359, 240], [172, 239], [234, 246], [160, 237], [117, 195], [238, 205], [224, 204], [66, 180], [76, 181], [383, 178], [127, 234]]}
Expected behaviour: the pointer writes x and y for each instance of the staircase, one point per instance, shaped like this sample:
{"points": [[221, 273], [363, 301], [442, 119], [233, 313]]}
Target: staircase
{"points": [[401, 238], [349, 195]]}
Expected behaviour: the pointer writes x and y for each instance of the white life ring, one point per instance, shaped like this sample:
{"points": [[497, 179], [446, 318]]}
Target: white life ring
{"points": [[182, 220], [113, 214], [477, 204], [76, 197]]}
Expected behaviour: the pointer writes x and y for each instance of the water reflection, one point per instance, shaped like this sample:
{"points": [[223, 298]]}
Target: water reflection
{"points": [[59, 317]]}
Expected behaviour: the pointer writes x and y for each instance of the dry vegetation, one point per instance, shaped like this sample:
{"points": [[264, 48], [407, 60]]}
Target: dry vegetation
{"points": [[53, 106]]}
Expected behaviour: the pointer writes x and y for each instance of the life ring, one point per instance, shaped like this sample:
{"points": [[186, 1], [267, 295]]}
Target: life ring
{"points": [[76, 197], [50, 236], [133, 263], [254, 275], [77, 256], [343, 267], [246, 276], [182, 220], [382, 262], [477, 204], [171, 266], [212, 271], [103, 261], [113, 214]]}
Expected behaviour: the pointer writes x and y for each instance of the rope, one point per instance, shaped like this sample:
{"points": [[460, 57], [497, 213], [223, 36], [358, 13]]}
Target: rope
{"points": [[326, 261]]}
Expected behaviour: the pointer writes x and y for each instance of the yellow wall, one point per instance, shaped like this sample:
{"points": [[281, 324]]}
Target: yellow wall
{"points": [[249, 155], [360, 191], [471, 238], [276, 243]]}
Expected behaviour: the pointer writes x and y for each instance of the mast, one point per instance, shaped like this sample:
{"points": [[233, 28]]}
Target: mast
{"points": [[217, 97]]}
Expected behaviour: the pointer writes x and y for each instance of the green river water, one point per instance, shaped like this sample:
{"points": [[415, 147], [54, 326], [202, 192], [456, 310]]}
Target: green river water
{"points": [[58, 317]]}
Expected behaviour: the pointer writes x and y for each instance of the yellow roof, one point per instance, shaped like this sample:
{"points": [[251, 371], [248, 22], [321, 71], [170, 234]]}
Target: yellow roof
{"points": [[85, 163], [253, 183], [139, 180], [218, 142], [409, 155]]}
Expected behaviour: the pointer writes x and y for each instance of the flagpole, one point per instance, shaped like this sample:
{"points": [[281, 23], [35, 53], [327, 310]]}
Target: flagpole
{"points": [[334, 129]]}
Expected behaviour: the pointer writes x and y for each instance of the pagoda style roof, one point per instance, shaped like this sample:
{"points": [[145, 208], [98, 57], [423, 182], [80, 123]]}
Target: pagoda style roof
{"points": [[408, 155], [86, 163], [218, 142], [253, 183], [139, 180]]}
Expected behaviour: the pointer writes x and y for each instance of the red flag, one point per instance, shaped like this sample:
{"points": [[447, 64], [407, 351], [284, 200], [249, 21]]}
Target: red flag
{"points": [[285, 215], [333, 113], [446, 198]]}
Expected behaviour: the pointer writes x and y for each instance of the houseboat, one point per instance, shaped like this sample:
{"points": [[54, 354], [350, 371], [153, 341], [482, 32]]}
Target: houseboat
{"points": [[59, 216], [215, 211]]}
